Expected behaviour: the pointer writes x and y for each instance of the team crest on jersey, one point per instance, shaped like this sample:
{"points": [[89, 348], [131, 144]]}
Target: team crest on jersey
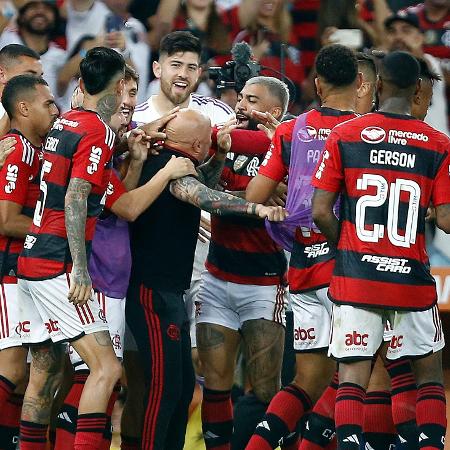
{"points": [[239, 162], [307, 134], [373, 135]]}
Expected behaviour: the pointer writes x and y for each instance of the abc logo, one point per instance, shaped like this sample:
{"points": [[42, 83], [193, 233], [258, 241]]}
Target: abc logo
{"points": [[356, 339], [302, 334]]}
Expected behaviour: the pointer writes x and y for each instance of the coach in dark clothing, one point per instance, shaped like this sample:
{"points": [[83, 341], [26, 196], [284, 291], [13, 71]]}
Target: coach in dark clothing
{"points": [[163, 242]]}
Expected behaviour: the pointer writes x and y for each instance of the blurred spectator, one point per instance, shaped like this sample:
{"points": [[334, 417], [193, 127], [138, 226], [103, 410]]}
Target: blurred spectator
{"points": [[403, 32], [201, 18], [111, 21], [36, 22]]}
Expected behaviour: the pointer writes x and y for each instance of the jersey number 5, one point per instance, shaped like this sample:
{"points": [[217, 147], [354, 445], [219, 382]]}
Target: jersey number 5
{"points": [[394, 192], [46, 167]]}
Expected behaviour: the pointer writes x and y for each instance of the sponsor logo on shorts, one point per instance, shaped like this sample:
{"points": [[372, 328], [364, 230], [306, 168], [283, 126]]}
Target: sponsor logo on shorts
{"points": [[52, 326], [315, 250], [373, 135], [116, 342], [198, 309], [101, 316], [387, 264], [303, 334], [356, 339], [23, 327], [396, 342], [173, 332]]}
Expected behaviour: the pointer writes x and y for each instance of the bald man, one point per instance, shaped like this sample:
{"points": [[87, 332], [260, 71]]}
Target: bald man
{"points": [[163, 242]]}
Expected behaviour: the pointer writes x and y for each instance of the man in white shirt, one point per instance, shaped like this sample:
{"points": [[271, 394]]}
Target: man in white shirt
{"points": [[178, 70]]}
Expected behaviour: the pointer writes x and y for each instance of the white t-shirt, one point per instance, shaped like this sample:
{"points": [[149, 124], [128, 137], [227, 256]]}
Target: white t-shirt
{"points": [[52, 60], [218, 112]]}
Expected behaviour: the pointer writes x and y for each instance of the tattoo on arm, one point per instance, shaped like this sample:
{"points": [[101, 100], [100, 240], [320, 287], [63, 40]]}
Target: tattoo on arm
{"points": [[209, 173], [107, 106], [75, 211], [190, 190], [46, 365], [263, 347]]}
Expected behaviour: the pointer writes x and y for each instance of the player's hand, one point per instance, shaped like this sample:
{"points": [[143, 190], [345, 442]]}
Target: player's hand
{"points": [[154, 130], [180, 167], [224, 136], [279, 197], [268, 123], [80, 286], [6, 148], [138, 146], [204, 231], [115, 39], [273, 213]]}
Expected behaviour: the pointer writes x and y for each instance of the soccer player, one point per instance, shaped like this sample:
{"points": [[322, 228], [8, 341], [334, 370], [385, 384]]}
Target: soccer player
{"points": [[55, 289], [392, 166], [242, 293], [163, 242], [312, 258], [31, 109]]}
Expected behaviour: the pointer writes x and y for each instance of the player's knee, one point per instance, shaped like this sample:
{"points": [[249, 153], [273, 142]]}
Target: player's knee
{"points": [[108, 372], [217, 377], [428, 369]]}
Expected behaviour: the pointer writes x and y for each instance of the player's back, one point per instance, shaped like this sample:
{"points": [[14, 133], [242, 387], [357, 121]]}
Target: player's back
{"points": [[392, 166]]}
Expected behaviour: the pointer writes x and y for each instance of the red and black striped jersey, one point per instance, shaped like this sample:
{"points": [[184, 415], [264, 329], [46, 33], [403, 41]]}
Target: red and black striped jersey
{"points": [[241, 251], [312, 259], [388, 168], [78, 146], [115, 190], [19, 183]]}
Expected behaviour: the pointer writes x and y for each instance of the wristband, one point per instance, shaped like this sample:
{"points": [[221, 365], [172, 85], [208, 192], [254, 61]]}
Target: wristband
{"points": [[254, 206]]}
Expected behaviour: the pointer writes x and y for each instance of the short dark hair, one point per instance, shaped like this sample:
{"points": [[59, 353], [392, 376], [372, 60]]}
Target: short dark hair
{"points": [[366, 64], [337, 65], [180, 41], [400, 69], [99, 67], [17, 89], [131, 74], [427, 72], [10, 53]]}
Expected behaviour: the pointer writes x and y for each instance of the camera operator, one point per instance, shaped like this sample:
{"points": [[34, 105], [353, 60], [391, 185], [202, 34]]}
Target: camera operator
{"points": [[242, 292]]}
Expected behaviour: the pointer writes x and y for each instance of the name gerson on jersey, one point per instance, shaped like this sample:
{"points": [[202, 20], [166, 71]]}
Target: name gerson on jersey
{"points": [[78, 146], [388, 174]]}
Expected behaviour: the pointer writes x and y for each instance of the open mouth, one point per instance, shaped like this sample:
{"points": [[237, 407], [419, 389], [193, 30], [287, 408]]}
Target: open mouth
{"points": [[242, 120], [181, 85], [126, 112]]}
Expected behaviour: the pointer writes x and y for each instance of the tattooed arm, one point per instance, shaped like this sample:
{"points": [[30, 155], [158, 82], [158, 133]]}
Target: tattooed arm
{"points": [[75, 209], [443, 217], [190, 190], [323, 215]]}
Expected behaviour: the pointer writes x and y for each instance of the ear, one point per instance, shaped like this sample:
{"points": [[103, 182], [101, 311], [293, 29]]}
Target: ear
{"points": [[418, 87], [379, 86], [3, 78], [364, 89], [276, 112], [82, 86], [120, 86], [359, 80], [318, 86], [157, 69], [22, 108]]}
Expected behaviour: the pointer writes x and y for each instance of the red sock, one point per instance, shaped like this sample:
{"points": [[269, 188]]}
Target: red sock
{"points": [[349, 415], [320, 430], [379, 429], [33, 436], [6, 390], [107, 437], [403, 397], [10, 421], [90, 430], [217, 419], [129, 443], [281, 418], [431, 416], [66, 425]]}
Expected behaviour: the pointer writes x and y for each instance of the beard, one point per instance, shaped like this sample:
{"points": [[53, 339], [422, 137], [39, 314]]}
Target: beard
{"points": [[40, 30], [177, 98]]}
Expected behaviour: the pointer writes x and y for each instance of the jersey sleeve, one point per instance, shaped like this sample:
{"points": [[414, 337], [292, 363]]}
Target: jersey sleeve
{"points": [[91, 156], [273, 166], [219, 113], [15, 174], [329, 173], [115, 190], [441, 185]]}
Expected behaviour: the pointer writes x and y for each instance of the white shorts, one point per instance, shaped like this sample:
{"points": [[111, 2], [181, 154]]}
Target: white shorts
{"points": [[190, 301], [312, 320], [114, 311], [45, 306], [10, 325], [231, 304], [358, 332]]}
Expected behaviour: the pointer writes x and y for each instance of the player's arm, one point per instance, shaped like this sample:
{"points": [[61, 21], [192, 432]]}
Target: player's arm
{"points": [[138, 155], [190, 190], [210, 172], [443, 217], [323, 215], [12, 222], [132, 204], [75, 212]]}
